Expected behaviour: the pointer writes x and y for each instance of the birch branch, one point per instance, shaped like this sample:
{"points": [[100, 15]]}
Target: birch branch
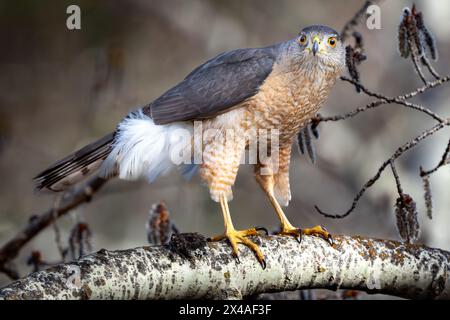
{"points": [[190, 267]]}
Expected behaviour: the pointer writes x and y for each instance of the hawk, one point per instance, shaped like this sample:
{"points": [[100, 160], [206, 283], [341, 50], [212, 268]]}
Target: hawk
{"points": [[276, 88]]}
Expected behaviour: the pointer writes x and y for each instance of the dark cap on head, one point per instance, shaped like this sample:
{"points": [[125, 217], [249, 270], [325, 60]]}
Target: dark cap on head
{"points": [[321, 29]]}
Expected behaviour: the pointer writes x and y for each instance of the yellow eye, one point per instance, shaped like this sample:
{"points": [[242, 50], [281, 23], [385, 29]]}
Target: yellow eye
{"points": [[302, 39], [332, 41]]}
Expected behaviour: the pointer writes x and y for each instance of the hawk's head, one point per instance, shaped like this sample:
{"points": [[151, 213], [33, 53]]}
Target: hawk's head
{"points": [[320, 46]]}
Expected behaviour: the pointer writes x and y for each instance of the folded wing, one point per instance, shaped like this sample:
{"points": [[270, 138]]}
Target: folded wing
{"points": [[215, 87]]}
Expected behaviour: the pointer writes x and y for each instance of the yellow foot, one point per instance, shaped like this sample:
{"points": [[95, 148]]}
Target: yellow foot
{"points": [[239, 236], [317, 231]]}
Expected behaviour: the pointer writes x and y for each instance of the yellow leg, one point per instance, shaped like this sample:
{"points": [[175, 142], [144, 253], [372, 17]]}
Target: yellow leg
{"points": [[288, 229], [235, 236]]}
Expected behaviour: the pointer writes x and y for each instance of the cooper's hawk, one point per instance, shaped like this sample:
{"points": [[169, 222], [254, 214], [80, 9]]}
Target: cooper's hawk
{"points": [[272, 89]]}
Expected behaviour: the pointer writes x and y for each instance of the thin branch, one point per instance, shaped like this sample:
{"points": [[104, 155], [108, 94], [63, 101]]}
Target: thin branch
{"points": [[56, 205], [415, 60], [429, 85], [430, 68], [396, 177], [382, 100], [444, 160], [399, 152]]}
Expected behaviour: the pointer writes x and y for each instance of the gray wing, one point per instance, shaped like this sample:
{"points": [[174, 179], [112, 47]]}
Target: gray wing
{"points": [[214, 87]]}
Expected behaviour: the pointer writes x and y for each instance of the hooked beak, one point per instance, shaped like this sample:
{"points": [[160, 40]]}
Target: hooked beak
{"points": [[315, 46]]}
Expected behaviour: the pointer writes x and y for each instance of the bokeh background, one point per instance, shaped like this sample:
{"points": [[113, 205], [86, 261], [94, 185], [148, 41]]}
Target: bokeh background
{"points": [[61, 89]]}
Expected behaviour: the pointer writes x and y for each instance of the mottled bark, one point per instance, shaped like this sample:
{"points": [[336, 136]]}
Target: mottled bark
{"points": [[192, 268]]}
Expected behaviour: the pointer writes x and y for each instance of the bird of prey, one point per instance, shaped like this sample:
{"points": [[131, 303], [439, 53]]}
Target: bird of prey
{"points": [[279, 88]]}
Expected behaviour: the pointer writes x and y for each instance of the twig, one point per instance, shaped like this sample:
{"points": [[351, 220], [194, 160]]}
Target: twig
{"points": [[430, 68], [383, 100], [425, 175], [56, 205], [80, 238], [399, 152], [415, 60], [396, 177], [444, 160], [398, 100]]}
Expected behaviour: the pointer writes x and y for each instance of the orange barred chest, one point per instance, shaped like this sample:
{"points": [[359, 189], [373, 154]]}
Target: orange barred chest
{"points": [[286, 103]]}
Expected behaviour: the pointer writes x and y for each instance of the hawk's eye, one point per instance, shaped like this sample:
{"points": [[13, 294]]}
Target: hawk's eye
{"points": [[332, 41], [302, 39]]}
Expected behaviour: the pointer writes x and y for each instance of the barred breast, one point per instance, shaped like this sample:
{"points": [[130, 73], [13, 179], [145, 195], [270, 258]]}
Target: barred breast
{"points": [[286, 101]]}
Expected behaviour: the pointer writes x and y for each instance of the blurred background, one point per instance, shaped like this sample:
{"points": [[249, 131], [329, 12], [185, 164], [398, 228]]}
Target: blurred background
{"points": [[61, 89]]}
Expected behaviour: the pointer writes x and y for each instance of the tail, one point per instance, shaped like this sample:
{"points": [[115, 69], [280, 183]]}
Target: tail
{"points": [[139, 148], [75, 167]]}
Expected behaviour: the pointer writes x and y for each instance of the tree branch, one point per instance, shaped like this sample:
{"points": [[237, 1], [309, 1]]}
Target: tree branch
{"points": [[190, 267]]}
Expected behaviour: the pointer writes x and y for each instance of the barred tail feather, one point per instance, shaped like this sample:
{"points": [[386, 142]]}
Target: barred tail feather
{"points": [[138, 148], [75, 167]]}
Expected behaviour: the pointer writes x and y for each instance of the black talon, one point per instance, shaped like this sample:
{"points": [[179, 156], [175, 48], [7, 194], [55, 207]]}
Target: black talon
{"points": [[262, 229], [300, 236], [237, 258], [263, 264], [330, 240], [208, 239]]}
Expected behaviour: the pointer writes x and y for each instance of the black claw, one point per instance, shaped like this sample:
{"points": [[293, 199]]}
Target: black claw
{"points": [[330, 240], [262, 229], [263, 264], [237, 258], [300, 236], [208, 239]]}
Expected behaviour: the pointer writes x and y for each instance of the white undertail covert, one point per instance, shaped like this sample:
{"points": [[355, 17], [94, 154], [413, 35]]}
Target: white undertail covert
{"points": [[142, 149]]}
